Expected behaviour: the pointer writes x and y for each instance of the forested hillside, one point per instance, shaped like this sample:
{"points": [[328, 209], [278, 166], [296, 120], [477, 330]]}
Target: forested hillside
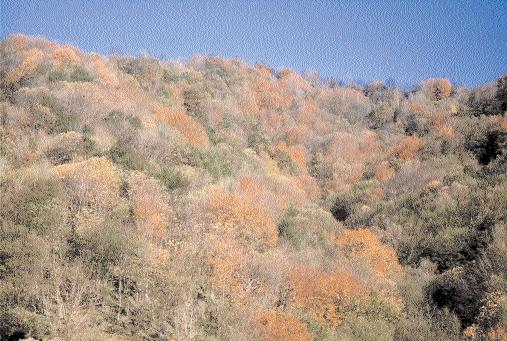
{"points": [[215, 200]]}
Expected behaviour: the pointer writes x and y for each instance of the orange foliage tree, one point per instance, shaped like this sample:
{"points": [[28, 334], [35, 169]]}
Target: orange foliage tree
{"points": [[104, 73], [32, 59], [225, 257], [326, 296], [278, 326], [437, 88], [364, 243], [347, 155], [383, 172], [291, 154], [17, 42], [91, 186], [189, 127], [151, 212], [64, 56], [236, 215], [408, 147], [442, 125]]}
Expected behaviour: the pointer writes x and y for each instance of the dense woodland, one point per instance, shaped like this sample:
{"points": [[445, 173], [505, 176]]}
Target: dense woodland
{"points": [[215, 200]]}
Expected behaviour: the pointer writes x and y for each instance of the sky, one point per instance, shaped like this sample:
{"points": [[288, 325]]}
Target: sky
{"points": [[405, 41]]}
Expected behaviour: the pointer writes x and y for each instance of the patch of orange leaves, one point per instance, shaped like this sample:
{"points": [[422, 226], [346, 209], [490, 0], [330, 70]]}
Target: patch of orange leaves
{"points": [[408, 147], [104, 74], [189, 127], [31, 61], [326, 296], [364, 243], [65, 55], [278, 326], [236, 215], [151, 212], [383, 172]]}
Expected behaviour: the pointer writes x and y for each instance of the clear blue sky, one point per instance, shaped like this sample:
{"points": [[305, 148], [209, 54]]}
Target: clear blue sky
{"points": [[350, 40]]}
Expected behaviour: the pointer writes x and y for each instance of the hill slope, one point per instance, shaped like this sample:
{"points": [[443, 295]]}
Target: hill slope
{"points": [[214, 200]]}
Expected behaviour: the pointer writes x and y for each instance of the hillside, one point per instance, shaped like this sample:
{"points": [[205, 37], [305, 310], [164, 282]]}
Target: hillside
{"points": [[215, 200]]}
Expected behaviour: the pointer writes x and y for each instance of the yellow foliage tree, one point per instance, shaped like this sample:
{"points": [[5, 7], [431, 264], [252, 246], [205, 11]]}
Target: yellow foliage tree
{"points": [[92, 184]]}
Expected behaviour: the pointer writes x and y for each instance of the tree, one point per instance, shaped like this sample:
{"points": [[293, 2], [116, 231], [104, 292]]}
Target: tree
{"points": [[364, 244], [188, 126], [278, 326], [437, 88], [237, 216], [149, 200], [326, 296], [64, 56], [32, 59]]}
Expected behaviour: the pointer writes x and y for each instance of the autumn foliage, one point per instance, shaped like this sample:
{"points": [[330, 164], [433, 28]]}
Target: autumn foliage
{"points": [[279, 326], [237, 216], [32, 59], [151, 212], [210, 199], [408, 147], [191, 129], [438, 88], [65, 56], [326, 296], [383, 172], [364, 244]]}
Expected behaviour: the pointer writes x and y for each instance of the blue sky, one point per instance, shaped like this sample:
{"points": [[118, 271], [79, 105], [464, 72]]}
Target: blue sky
{"points": [[465, 41]]}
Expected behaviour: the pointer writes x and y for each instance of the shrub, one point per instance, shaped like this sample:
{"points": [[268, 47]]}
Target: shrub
{"points": [[81, 74], [32, 201], [64, 120], [289, 228], [340, 210], [171, 178], [124, 154], [68, 146], [124, 127], [56, 76]]}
